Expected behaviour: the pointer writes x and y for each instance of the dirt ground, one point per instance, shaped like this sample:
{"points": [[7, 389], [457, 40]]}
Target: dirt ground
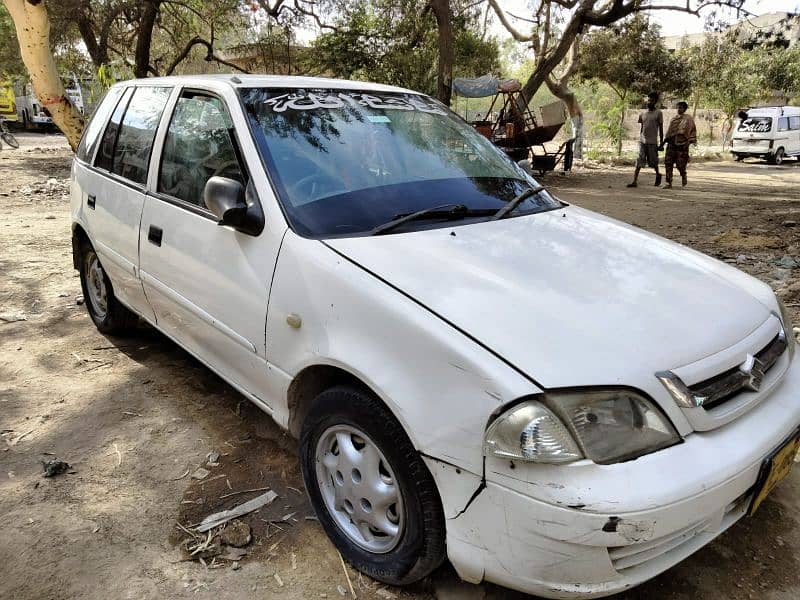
{"points": [[136, 417]]}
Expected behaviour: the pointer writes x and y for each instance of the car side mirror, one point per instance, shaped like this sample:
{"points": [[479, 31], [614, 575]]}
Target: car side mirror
{"points": [[234, 205], [225, 198]]}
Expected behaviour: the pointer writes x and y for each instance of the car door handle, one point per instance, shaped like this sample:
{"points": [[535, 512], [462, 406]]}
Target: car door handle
{"points": [[154, 235], [91, 201]]}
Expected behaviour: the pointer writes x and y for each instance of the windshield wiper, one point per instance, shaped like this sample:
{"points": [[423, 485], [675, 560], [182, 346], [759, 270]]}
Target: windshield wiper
{"points": [[444, 211], [516, 201]]}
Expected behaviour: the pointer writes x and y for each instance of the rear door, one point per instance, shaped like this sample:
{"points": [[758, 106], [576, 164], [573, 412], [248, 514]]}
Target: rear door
{"points": [[793, 145], [115, 197], [208, 285]]}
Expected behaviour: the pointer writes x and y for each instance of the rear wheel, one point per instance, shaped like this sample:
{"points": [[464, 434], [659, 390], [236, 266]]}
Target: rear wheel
{"points": [[108, 314], [372, 492]]}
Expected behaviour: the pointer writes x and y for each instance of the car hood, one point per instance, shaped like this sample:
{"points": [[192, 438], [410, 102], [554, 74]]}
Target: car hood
{"points": [[569, 297]]}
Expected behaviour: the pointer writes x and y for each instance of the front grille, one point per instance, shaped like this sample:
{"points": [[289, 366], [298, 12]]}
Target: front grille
{"points": [[722, 387]]}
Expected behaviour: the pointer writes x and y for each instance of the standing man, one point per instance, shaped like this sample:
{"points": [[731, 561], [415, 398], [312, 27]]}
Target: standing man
{"points": [[680, 133], [651, 137]]}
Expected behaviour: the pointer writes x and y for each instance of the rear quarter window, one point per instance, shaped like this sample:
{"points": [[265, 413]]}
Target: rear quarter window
{"points": [[137, 132], [91, 134]]}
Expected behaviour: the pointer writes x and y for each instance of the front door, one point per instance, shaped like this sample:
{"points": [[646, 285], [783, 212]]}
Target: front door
{"points": [[208, 285]]}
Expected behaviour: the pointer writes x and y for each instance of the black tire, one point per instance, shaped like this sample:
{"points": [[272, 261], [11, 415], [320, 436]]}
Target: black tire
{"points": [[10, 140], [778, 157], [421, 545], [117, 319]]}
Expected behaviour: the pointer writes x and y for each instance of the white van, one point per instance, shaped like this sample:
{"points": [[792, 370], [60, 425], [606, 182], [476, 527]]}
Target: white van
{"points": [[769, 132], [30, 111]]}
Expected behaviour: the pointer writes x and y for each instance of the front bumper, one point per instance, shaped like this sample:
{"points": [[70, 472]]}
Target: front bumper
{"points": [[567, 539]]}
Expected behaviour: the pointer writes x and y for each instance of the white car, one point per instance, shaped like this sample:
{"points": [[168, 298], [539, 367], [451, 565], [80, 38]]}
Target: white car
{"points": [[553, 400]]}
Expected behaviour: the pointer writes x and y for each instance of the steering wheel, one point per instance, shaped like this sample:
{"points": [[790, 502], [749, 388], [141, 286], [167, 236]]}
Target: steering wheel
{"points": [[313, 184]]}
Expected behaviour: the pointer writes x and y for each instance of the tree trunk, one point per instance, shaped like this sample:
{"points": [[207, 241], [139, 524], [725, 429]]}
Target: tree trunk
{"points": [[562, 91], [143, 41], [33, 32], [621, 130], [544, 68], [444, 74]]}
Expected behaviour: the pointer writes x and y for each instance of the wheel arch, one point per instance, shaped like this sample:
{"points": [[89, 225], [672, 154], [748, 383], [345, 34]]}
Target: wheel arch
{"points": [[79, 237], [310, 382]]}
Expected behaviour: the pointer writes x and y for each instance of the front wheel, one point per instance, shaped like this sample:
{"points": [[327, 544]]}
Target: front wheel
{"points": [[108, 315], [371, 490]]}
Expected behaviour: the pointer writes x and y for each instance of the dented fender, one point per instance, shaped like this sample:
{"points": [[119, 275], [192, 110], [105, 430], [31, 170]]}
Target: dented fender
{"points": [[441, 385]]}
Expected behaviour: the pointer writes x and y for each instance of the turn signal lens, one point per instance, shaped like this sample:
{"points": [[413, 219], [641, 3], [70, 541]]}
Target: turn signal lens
{"points": [[530, 432]]}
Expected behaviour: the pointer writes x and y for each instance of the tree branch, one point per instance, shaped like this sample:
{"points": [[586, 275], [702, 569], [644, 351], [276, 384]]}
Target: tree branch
{"points": [[198, 41], [509, 27], [313, 15]]}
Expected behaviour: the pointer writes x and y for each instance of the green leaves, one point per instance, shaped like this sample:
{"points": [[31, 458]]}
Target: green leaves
{"points": [[395, 41], [632, 59]]}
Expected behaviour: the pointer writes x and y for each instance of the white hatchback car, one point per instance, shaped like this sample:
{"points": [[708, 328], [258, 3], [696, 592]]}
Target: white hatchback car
{"points": [[555, 401]]}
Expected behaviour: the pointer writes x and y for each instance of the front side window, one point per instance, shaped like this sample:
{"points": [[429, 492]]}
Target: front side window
{"points": [[756, 125], [198, 146], [136, 134], [783, 123], [345, 162]]}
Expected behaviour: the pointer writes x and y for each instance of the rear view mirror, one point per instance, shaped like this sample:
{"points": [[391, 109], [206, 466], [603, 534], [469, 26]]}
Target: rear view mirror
{"points": [[234, 205]]}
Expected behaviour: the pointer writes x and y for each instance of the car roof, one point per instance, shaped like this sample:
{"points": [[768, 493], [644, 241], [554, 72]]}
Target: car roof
{"points": [[267, 81], [773, 110]]}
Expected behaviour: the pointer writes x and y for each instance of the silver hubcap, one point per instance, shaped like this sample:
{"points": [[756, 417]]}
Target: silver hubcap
{"points": [[359, 488], [96, 286]]}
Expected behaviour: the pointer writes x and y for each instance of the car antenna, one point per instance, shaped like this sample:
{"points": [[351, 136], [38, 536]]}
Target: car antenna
{"points": [[235, 79]]}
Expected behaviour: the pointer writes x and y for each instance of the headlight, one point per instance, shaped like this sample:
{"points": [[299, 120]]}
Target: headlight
{"points": [[788, 330], [531, 432], [607, 426], [614, 425]]}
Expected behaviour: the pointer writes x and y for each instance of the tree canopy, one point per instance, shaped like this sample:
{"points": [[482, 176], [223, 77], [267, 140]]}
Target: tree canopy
{"points": [[631, 58], [392, 41]]}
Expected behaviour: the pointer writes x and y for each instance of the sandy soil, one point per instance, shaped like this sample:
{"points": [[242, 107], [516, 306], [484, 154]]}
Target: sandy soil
{"points": [[132, 416]]}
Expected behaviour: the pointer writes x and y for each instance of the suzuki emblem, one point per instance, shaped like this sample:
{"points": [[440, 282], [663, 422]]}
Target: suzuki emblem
{"points": [[753, 369]]}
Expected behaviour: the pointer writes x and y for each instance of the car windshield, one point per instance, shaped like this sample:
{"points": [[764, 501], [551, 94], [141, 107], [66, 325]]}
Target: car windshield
{"points": [[344, 162], [755, 125]]}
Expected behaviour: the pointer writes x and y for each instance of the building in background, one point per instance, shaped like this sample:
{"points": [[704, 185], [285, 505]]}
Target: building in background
{"points": [[778, 26]]}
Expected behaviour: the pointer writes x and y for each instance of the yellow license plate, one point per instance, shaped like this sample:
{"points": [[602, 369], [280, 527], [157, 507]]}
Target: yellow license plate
{"points": [[775, 469]]}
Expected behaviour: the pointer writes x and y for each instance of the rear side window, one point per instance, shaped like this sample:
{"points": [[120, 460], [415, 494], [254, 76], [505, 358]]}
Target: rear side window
{"points": [[91, 134], [105, 155], [794, 122], [136, 134], [783, 123], [198, 146]]}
